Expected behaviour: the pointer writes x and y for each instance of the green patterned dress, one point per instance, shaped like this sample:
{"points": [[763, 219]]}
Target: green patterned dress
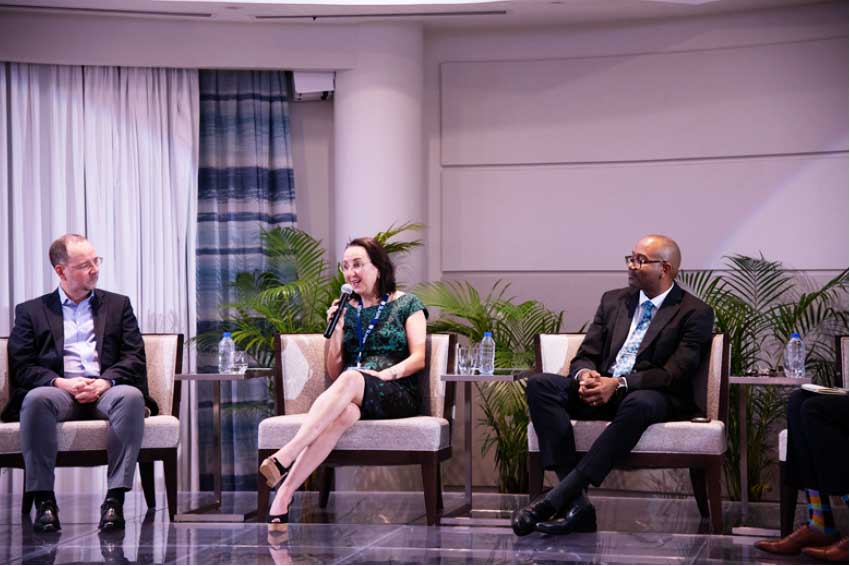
{"points": [[385, 346]]}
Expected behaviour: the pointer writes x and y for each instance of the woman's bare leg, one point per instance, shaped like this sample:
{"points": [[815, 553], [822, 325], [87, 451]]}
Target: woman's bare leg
{"points": [[346, 389], [312, 457]]}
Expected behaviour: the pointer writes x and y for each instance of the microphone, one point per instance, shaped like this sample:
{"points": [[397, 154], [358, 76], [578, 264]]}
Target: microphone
{"points": [[344, 294]]}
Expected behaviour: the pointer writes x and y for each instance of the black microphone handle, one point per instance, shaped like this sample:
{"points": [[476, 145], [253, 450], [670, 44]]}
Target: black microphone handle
{"points": [[343, 301]]}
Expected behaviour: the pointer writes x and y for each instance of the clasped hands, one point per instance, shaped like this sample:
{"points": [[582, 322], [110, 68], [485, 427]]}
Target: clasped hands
{"points": [[595, 389], [84, 389]]}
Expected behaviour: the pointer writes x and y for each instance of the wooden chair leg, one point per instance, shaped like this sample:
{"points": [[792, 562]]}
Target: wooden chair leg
{"points": [[327, 477], [439, 488], [713, 473], [263, 493], [698, 484], [787, 503], [535, 474], [430, 473], [169, 467], [148, 485]]}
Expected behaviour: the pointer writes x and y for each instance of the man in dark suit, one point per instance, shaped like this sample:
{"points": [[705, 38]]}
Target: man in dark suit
{"points": [[77, 353], [633, 368]]}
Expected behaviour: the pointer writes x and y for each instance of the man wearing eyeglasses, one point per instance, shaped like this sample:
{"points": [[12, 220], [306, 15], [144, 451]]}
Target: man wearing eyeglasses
{"points": [[633, 368], [77, 353]]}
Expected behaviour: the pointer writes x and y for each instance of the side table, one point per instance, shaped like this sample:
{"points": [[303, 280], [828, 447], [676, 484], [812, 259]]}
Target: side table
{"points": [[743, 423], [463, 515], [212, 512]]}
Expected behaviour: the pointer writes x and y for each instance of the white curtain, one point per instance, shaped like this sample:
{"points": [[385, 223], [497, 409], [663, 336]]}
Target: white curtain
{"points": [[111, 153]]}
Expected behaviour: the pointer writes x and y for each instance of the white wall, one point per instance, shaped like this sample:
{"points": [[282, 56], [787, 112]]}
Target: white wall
{"points": [[312, 126]]}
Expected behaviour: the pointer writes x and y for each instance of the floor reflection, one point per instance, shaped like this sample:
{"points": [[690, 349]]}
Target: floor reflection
{"points": [[368, 528]]}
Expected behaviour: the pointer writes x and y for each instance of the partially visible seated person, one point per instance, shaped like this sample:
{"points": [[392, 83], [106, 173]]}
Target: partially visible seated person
{"points": [[817, 463], [77, 353], [634, 368], [374, 356]]}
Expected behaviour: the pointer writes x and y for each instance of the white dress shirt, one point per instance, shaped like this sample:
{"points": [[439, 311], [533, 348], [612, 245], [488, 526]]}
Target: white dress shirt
{"points": [[79, 351]]}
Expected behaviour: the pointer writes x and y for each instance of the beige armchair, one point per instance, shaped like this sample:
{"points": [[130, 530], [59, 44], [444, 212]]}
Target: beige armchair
{"points": [[424, 440], [788, 494], [700, 447], [83, 443]]}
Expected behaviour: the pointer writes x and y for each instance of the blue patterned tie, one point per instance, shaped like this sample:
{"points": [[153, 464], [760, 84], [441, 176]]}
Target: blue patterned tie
{"points": [[626, 357]]}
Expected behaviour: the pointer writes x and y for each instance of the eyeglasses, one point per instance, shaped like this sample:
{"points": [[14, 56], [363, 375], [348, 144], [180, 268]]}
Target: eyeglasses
{"points": [[640, 260], [88, 265], [357, 265]]}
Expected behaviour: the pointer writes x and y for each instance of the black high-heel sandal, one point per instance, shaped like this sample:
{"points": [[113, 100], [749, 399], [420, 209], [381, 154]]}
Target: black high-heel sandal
{"points": [[278, 521], [273, 471]]}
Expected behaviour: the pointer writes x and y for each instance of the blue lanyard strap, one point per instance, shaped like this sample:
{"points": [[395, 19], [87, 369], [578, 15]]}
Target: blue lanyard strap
{"points": [[361, 337]]}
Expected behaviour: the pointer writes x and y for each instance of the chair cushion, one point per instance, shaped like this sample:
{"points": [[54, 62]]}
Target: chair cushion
{"points": [[419, 434], [160, 432], [783, 445], [675, 437]]}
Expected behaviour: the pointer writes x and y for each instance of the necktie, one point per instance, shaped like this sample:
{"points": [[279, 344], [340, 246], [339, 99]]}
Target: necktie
{"points": [[626, 357]]}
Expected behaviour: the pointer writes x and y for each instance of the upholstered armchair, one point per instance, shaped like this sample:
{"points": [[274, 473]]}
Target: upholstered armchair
{"points": [[83, 443], [700, 447], [424, 440]]}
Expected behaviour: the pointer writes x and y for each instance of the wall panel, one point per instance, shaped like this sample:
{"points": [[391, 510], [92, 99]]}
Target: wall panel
{"points": [[587, 217], [751, 100]]}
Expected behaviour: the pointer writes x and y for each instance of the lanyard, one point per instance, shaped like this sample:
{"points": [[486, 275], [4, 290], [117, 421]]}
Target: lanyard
{"points": [[361, 337]]}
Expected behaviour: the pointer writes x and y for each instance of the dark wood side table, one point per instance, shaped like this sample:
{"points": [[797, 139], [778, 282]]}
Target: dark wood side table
{"points": [[464, 515], [743, 424], [212, 512]]}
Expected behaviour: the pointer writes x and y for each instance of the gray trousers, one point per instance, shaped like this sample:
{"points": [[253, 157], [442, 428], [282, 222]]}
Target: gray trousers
{"points": [[122, 405]]}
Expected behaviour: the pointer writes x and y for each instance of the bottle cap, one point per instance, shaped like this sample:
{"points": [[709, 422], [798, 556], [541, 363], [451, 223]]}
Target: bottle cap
{"points": [[226, 335], [795, 335], [488, 335]]}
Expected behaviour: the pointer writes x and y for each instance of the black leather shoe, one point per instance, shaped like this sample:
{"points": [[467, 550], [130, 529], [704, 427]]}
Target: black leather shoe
{"points": [[111, 515], [524, 519], [112, 547], [580, 518], [47, 517]]}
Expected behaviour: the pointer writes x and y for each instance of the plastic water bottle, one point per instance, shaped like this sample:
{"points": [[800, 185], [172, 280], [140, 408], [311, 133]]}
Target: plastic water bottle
{"points": [[487, 354], [795, 357], [226, 347]]}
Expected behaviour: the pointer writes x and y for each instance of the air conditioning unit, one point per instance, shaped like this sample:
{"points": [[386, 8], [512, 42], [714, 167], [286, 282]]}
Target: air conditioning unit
{"points": [[308, 86]]}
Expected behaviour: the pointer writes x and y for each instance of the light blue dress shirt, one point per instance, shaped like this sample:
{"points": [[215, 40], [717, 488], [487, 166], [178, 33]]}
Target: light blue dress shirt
{"points": [[80, 349]]}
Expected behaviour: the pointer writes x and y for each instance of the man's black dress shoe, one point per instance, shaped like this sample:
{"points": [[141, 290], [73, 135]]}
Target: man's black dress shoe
{"points": [[46, 517], [111, 515], [580, 518], [524, 519], [112, 547]]}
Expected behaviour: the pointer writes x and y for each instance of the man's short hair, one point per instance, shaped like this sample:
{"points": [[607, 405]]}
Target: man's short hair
{"points": [[59, 248]]}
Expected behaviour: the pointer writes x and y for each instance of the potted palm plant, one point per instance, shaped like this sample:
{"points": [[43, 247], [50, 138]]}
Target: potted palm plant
{"points": [[514, 326], [758, 304]]}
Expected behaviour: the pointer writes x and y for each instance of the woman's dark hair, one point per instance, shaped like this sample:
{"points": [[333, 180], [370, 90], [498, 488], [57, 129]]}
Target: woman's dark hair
{"points": [[381, 260]]}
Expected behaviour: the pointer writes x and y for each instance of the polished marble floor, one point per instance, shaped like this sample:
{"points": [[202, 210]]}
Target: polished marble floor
{"points": [[386, 528]]}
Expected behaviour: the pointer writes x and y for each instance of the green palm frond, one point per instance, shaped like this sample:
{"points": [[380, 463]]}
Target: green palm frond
{"points": [[514, 325], [462, 308], [385, 238], [758, 304]]}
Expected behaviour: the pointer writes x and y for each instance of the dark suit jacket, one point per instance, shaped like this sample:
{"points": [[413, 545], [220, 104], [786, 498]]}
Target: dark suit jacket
{"points": [[38, 338], [677, 340]]}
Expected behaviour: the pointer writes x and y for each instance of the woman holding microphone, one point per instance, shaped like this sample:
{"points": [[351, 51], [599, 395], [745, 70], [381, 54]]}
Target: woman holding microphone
{"points": [[373, 357]]}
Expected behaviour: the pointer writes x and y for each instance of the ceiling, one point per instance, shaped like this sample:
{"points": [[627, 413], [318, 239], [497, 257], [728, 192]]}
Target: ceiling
{"points": [[506, 13]]}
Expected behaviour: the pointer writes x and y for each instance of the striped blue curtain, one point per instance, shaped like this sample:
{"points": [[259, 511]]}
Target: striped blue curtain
{"points": [[245, 185]]}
